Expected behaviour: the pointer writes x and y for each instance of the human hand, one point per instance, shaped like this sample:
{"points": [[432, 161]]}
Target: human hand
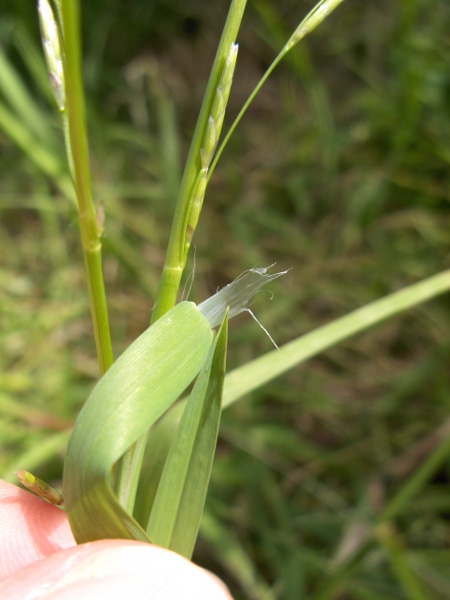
{"points": [[39, 559]]}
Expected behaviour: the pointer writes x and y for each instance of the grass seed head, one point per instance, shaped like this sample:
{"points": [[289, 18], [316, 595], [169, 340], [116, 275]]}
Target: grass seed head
{"points": [[220, 101], [52, 51]]}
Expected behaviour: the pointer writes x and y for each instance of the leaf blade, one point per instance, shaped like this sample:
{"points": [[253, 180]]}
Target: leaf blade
{"points": [[140, 386], [178, 506]]}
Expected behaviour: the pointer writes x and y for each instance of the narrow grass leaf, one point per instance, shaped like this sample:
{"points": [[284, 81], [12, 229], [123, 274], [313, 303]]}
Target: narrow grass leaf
{"points": [[21, 101], [140, 386], [178, 507], [245, 379], [42, 156], [253, 375], [400, 562]]}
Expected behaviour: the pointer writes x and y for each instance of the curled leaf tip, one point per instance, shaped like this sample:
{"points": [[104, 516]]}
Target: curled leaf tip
{"points": [[39, 487]]}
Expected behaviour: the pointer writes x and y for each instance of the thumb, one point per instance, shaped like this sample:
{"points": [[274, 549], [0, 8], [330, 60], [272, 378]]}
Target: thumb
{"points": [[113, 569]]}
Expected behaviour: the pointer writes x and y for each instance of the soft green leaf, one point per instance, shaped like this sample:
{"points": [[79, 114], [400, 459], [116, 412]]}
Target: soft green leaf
{"points": [[21, 102], [178, 506], [249, 377], [140, 386], [253, 375]]}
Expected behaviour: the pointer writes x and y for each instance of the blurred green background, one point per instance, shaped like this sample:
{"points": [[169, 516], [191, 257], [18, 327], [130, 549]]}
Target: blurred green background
{"points": [[340, 172]]}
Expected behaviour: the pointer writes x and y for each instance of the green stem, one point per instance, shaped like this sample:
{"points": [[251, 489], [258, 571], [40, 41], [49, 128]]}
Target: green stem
{"points": [[166, 297], [75, 107], [99, 309], [309, 23], [176, 255], [176, 251]]}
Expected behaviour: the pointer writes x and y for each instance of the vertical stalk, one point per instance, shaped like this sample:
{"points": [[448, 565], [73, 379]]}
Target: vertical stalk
{"points": [[309, 23], [90, 234], [176, 251], [166, 297]]}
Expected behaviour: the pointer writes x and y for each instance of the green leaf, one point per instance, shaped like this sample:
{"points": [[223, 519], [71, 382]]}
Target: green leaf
{"points": [[180, 499], [254, 374], [141, 385]]}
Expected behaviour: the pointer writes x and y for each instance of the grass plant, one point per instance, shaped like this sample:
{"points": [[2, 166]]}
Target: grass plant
{"points": [[332, 480]]}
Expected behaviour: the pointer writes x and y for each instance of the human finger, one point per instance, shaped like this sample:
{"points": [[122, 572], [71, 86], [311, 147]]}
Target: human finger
{"points": [[30, 529], [113, 570]]}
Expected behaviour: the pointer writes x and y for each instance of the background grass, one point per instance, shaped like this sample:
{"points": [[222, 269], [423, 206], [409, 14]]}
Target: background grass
{"points": [[340, 171]]}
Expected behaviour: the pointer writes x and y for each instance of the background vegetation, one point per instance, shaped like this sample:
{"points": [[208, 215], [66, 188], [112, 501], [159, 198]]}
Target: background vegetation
{"points": [[340, 171]]}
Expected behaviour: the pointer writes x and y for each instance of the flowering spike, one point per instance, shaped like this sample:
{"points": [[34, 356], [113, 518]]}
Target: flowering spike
{"points": [[52, 51], [312, 20], [196, 204], [209, 142], [215, 120]]}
